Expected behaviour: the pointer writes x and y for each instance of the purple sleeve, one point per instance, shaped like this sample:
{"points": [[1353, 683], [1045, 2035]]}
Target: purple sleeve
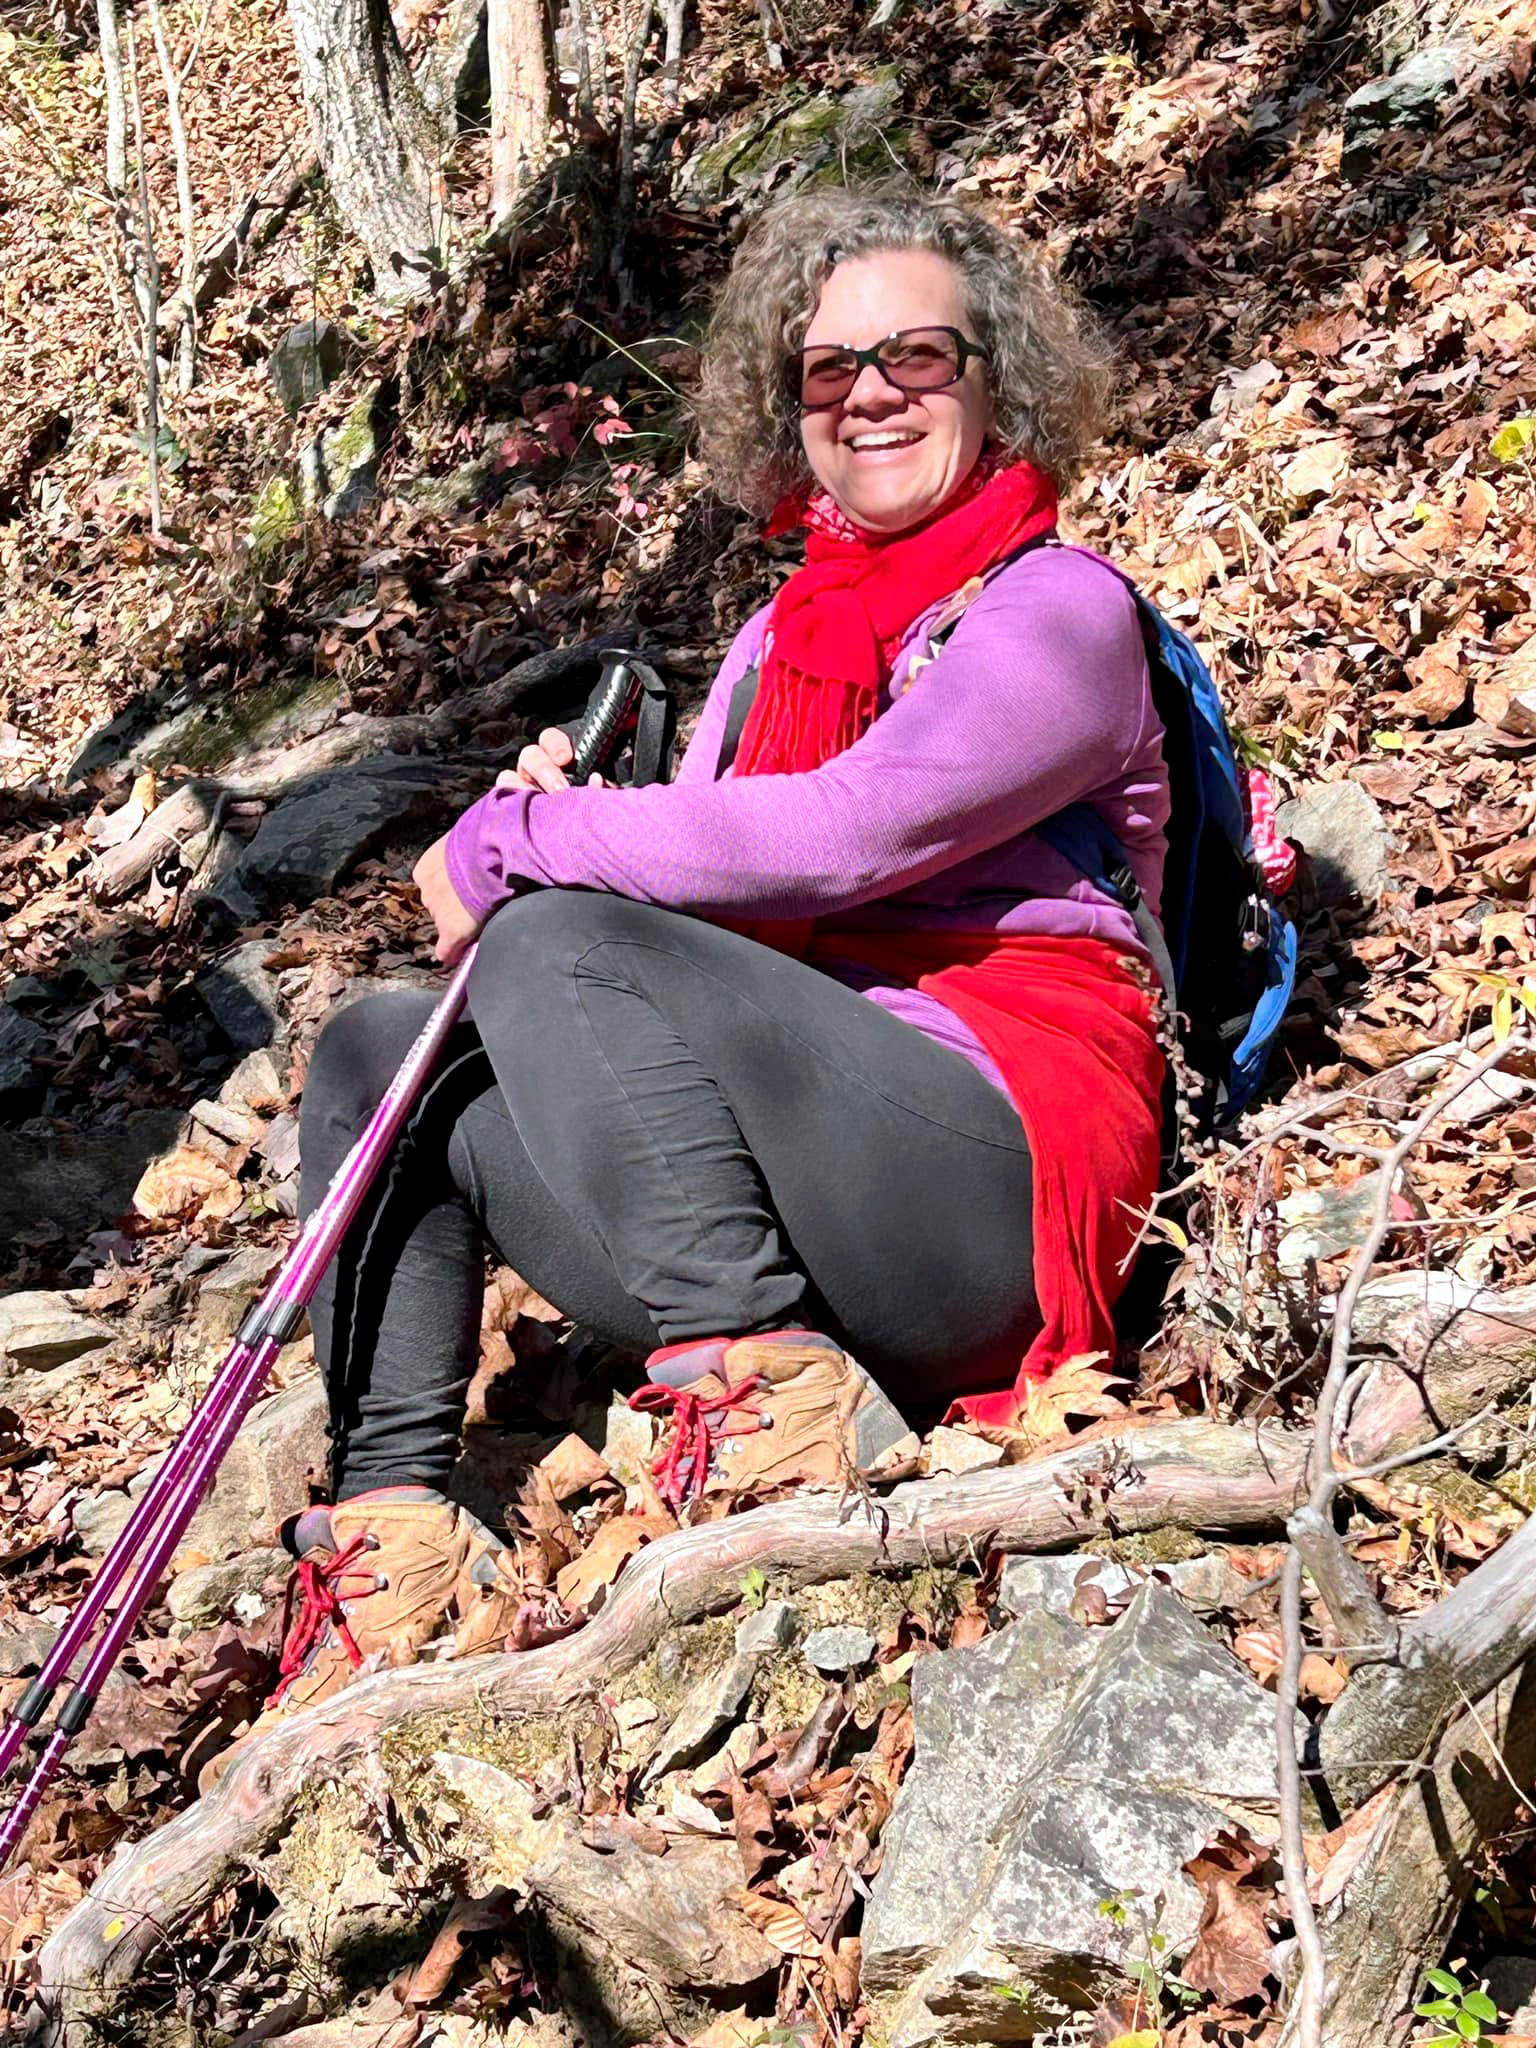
{"points": [[1038, 699], [703, 749]]}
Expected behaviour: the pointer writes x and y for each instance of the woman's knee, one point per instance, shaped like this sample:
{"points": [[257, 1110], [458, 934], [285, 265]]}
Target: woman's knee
{"points": [[536, 940], [358, 1052]]}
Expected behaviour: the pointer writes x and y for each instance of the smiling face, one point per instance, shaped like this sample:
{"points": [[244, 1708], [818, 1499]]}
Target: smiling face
{"points": [[890, 458]]}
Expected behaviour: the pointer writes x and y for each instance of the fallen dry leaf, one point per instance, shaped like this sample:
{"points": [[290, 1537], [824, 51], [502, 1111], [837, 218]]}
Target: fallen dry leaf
{"points": [[615, 1543], [572, 1467], [186, 1186]]}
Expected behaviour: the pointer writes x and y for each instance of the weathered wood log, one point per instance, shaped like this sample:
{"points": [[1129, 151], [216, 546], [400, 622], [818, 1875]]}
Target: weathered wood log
{"points": [[1190, 1475], [1399, 1905], [1457, 1349], [1459, 1650], [273, 772]]}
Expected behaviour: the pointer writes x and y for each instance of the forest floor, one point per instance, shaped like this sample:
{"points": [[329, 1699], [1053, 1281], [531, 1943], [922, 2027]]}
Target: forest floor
{"points": [[1324, 470]]}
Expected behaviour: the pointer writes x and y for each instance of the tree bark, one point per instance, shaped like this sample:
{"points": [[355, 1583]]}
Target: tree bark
{"points": [[1192, 1475], [1460, 1650], [1456, 1347], [518, 40], [375, 139], [1399, 1905]]}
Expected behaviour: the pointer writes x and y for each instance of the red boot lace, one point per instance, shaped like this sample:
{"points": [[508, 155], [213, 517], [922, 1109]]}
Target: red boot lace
{"points": [[316, 1580], [697, 1421]]}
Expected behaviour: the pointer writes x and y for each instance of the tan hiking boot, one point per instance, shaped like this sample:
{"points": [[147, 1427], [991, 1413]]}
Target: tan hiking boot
{"points": [[752, 1414], [384, 1573]]}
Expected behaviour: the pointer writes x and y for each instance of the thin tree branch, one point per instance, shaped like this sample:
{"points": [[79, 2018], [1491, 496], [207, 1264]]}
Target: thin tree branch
{"points": [[187, 354]]}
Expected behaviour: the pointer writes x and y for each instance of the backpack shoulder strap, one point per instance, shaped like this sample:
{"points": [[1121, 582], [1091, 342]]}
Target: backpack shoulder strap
{"points": [[1082, 838], [743, 696]]}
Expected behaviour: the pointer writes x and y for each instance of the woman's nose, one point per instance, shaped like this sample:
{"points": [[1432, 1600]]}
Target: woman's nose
{"points": [[873, 388]]}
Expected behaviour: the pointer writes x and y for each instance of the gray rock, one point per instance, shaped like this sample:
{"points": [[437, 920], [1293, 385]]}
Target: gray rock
{"points": [[241, 995], [74, 1181], [228, 1292], [1345, 834], [773, 1625], [854, 130], [20, 1041], [207, 1592], [1512, 1987], [709, 1708], [675, 1916], [307, 842], [1408, 97], [39, 1332], [255, 1084], [1056, 1768], [264, 1477], [233, 1126], [1062, 1584], [843, 1648], [1323, 1222], [338, 471], [308, 359]]}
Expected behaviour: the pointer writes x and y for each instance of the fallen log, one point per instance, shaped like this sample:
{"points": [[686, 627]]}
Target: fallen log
{"points": [[1194, 1475], [1397, 1908], [1459, 1650], [273, 772], [1457, 1349]]}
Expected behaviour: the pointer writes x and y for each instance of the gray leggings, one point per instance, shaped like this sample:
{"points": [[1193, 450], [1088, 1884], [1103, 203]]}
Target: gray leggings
{"points": [[671, 1132]]}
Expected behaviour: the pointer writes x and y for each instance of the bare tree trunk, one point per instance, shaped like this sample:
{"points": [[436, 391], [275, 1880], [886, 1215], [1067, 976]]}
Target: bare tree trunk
{"points": [[117, 112], [1400, 1904], [624, 212], [147, 277], [674, 15], [188, 338], [596, 42], [522, 67], [374, 137]]}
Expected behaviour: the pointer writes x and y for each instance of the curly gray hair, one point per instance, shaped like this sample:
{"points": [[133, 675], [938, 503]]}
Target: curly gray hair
{"points": [[1048, 365]]}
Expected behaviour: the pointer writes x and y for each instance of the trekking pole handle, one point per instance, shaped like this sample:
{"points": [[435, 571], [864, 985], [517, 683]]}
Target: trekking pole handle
{"points": [[618, 689]]}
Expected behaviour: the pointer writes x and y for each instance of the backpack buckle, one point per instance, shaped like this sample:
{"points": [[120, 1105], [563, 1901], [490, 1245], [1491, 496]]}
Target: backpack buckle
{"points": [[1257, 920]]}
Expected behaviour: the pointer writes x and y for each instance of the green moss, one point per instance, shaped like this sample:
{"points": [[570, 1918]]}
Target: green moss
{"points": [[1170, 1545], [210, 734], [275, 521]]}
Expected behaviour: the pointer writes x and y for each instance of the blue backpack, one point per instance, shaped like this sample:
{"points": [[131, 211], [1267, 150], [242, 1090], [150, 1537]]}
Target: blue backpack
{"points": [[1225, 950]]}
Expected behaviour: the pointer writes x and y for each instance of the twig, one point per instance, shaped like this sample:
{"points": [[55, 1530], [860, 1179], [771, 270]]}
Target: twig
{"points": [[1326, 1482]]}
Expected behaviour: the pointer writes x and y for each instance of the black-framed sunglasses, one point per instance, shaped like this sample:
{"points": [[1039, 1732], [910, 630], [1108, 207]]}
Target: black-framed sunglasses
{"points": [[915, 359]]}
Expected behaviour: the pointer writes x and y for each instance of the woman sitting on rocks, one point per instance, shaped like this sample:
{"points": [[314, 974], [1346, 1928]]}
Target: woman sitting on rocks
{"points": [[815, 1077]]}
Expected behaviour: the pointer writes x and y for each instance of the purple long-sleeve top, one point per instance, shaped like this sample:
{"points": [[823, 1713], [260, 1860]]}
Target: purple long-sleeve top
{"points": [[1038, 699]]}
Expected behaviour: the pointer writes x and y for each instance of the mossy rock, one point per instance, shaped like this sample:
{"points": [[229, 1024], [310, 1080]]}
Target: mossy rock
{"points": [[828, 134], [213, 732], [338, 471]]}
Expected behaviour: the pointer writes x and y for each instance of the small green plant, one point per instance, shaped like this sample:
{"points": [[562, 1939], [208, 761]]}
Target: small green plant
{"points": [[1166, 1995], [754, 1588], [1467, 2012]]}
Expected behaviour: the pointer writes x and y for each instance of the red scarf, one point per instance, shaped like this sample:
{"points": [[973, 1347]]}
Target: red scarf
{"points": [[837, 623], [1066, 1021]]}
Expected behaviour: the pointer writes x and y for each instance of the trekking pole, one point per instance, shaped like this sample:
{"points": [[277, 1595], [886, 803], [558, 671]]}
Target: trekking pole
{"points": [[159, 1520], [153, 1532]]}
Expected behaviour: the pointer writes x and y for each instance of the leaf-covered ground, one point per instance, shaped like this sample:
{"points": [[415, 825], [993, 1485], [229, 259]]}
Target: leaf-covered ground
{"points": [[1325, 469]]}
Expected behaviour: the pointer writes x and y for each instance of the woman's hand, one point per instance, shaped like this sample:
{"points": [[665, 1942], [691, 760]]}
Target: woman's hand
{"points": [[455, 926], [543, 766]]}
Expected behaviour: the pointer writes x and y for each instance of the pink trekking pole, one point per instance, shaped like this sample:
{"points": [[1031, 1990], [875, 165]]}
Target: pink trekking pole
{"points": [[153, 1532]]}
